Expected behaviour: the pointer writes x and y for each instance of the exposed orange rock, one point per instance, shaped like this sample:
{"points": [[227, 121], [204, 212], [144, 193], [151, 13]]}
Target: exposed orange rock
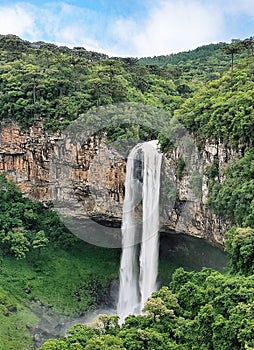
{"points": [[36, 161]]}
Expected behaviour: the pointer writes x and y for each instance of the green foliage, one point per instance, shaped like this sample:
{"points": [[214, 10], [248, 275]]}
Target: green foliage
{"points": [[240, 247], [16, 242], [15, 319], [180, 168], [105, 342], [26, 225], [79, 334], [57, 84], [107, 324], [40, 240], [41, 261], [219, 112], [72, 281], [169, 192], [234, 197], [213, 171], [203, 64], [201, 310], [231, 49], [55, 345], [155, 309]]}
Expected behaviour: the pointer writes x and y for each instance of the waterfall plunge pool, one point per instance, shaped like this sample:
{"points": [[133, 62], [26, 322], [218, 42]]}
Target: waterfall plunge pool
{"points": [[189, 252]]}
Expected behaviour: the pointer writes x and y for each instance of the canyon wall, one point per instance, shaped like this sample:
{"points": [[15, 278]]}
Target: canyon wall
{"points": [[87, 179]]}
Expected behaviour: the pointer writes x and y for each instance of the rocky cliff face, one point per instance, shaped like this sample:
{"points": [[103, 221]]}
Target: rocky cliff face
{"points": [[88, 178], [51, 169], [190, 213]]}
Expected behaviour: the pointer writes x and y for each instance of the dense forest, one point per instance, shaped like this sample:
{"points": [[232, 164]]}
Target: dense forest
{"points": [[210, 91]]}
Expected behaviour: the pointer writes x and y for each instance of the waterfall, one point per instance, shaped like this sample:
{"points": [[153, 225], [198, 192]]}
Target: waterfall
{"points": [[140, 242]]}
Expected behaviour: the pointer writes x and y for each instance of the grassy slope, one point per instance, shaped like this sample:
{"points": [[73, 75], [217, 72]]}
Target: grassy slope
{"points": [[67, 280], [14, 324]]}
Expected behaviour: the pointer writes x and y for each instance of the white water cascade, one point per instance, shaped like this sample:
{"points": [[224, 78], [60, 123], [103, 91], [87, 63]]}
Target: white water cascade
{"points": [[138, 274]]}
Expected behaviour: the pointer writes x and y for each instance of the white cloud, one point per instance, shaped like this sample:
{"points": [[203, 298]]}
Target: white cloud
{"points": [[171, 26], [74, 35], [17, 20], [71, 26], [58, 23], [167, 25]]}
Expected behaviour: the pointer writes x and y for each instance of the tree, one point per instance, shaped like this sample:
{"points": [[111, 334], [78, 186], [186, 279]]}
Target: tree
{"points": [[107, 324], [240, 247], [79, 335], [40, 240], [55, 345], [18, 243], [105, 342], [248, 44], [155, 309], [231, 49]]}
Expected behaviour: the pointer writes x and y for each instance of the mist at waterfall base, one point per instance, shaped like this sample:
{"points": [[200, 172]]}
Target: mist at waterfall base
{"points": [[140, 226]]}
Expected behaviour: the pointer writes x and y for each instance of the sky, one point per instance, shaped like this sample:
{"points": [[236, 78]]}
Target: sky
{"points": [[127, 27]]}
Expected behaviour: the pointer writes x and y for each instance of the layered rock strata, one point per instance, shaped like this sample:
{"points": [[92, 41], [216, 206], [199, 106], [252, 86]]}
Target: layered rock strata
{"points": [[87, 179]]}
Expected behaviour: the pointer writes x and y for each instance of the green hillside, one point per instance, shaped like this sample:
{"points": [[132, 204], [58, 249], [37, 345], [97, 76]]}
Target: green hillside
{"points": [[57, 84], [205, 63]]}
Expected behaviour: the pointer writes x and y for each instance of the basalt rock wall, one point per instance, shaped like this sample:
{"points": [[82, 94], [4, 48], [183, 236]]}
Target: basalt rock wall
{"points": [[88, 178]]}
